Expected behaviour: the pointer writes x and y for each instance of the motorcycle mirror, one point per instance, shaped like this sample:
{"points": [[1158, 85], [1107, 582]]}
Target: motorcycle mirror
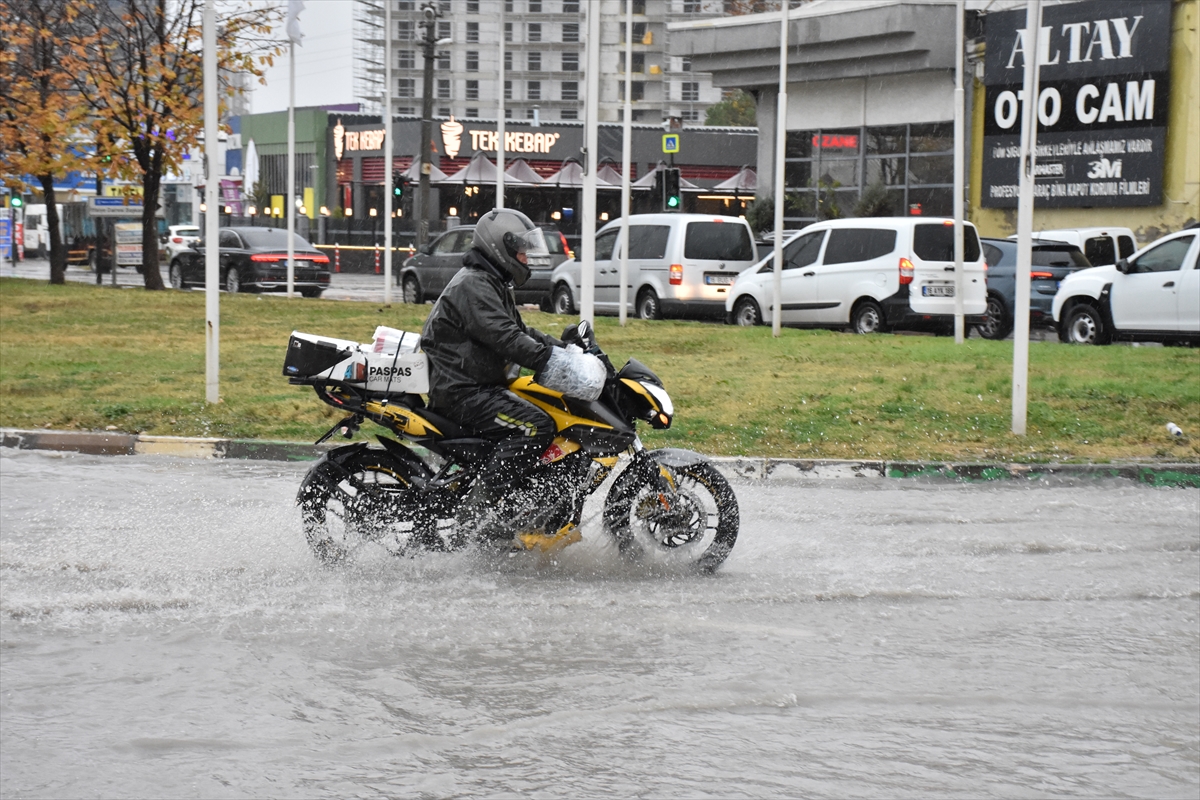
{"points": [[584, 331]]}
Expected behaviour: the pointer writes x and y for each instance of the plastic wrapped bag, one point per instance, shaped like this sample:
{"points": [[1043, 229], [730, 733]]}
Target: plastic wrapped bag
{"points": [[574, 373]]}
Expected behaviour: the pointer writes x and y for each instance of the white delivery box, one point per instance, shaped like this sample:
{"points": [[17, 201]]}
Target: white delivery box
{"points": [[389, 365]]}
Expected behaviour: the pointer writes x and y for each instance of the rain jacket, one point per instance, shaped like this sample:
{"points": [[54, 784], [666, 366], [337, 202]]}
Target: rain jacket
{"points": [[474, 335]]}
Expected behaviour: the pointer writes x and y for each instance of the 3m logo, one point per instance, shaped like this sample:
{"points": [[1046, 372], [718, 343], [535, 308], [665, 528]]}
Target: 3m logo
{"points": [[1104, 169]]}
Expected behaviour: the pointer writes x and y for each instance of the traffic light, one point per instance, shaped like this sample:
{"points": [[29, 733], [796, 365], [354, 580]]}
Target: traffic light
{"points": [[398, 185], [17, 201], [672, 199]]}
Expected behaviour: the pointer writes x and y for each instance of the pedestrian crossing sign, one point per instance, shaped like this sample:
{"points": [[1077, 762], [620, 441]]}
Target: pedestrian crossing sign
{"points": [[670, 142]]}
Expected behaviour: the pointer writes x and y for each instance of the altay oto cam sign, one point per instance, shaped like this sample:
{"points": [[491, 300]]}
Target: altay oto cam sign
{"points": [[1102, 104]]}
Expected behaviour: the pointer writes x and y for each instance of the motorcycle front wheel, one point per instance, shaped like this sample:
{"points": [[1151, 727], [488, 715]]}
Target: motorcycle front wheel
{"points": [[690, 522], [372, 506]]}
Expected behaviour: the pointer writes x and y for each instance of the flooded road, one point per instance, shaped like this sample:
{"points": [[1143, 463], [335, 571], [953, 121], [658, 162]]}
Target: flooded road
{"points": [[165, 633]]}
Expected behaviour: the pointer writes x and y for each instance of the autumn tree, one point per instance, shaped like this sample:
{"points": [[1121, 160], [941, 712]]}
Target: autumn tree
{"points": [[41, 116], [737, 109], [139, 68]]}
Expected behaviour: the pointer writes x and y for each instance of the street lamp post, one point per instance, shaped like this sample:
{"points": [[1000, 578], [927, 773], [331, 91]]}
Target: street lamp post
{"points": [[431, 14]]}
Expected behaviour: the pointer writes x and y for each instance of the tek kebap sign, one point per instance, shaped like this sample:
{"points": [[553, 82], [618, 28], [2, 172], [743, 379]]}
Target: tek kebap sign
{"points": [[1102, 104]]}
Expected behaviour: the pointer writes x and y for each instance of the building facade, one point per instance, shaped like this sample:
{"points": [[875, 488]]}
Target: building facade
{"points": [[543, 62]]}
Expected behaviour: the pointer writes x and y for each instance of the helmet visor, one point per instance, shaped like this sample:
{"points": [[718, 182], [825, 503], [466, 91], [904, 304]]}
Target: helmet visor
{"points": [[531, 243]]}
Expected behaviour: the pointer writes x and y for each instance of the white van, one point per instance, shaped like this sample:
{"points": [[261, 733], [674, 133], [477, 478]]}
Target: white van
{"points": [[37, 230], [1102, 246], [679, 265], [871, 274]]}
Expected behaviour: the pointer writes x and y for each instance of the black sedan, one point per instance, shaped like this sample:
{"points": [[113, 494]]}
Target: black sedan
{"points": [[255, 260], [1051, 262]]}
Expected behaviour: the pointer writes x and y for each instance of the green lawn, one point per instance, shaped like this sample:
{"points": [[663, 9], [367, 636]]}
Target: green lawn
{"points": [[95, 358]]}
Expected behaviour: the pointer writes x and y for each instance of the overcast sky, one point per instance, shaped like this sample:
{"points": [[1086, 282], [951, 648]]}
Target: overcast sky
{"points": [[324, 72]]}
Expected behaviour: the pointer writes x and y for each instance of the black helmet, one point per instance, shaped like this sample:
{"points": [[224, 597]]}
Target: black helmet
{"points": [[502, 234]]}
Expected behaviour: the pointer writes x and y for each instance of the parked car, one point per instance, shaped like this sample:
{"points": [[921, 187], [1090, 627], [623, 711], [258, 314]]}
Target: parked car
{"points": [[255, 260], [1152, 296], [1101, 246], [424, 275], [1051, 262], [179, 238], [679, 265], [870, 274]]}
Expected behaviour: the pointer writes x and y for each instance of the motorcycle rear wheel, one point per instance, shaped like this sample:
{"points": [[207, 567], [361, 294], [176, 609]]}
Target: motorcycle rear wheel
{"points": [[695, 525], [373, 508]]}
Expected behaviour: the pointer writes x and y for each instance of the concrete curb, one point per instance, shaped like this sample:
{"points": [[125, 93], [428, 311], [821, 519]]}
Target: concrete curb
{"points": [[752, 469]]}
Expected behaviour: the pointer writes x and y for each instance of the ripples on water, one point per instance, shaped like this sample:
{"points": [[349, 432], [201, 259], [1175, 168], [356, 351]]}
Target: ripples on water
{"points": [[165, 633]]}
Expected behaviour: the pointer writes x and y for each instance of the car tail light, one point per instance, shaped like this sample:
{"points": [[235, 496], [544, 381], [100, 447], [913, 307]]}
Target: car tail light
{"points": [[676, 274], [906, 271], [176, 240], [319, 259], [1036, 275], [266, 257], [566, 247]]}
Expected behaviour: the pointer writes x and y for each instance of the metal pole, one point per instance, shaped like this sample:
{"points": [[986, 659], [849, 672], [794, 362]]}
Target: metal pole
{"points": [[501, 111], [591, 123], [960, 331], [626, 155], [388, 155], [290, 204], [212, 268], [1029, 106], [429, 49], [780, 141]]}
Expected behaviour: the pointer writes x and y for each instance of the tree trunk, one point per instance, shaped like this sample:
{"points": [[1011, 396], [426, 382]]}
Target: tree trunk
{"points": [[58, 253], [151, 273]]}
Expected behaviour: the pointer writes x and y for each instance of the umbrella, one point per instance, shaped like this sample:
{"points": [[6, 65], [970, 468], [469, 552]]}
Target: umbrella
{"points": [[745, 181], [413, 173], [647, 180], [521, 172], [250, 170], [607, 176]]}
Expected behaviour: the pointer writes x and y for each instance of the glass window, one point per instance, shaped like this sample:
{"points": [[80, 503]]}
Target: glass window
{"points": [[570, 33], [230, 239], [443, 59], [689, 91], [887, 171], [931, 169], [685, 65], [443, 30], [508, 90], [508, 31], [535, 32], [272, 238], [450, 243], [570, 62], [535, 6], [691, 6], [405, 87], [1126, 246], [841, 171], [604, 245], [406, 5], [570, 6], [443, 89], [836, 143], [798, 144], [404, 30], [1055, 256], [472, 90], [886, 140], [931, 202], [935, 242], [472, 61], [508, 59], [443, 111], [406, 59], [648, 241], [638, 61], [534, 62], [937, 137], [570, 90], [472, 6], [719, 241], [569, 113], [472, 113], [1166, 257], [639, 90], [1100, 251], [803, 251], [992, 254], [848, 245], [472, 31], [797, 174], [533, 90]]}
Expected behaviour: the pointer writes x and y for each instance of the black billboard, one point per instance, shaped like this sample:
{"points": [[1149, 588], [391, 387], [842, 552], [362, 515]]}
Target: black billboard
{"points": [[1102, 104]]}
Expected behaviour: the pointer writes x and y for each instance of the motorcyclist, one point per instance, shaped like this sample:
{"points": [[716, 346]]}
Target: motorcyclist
{"points": [[476, 341]]}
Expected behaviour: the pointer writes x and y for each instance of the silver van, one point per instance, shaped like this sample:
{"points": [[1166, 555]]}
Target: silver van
{"points": [[680, 265]]}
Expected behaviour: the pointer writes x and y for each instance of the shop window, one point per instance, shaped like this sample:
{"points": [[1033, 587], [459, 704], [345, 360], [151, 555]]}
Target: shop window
{"points": [[472, 31], [931, 169], [570, 90], [836, 143], [570, 62], [797, 174], [798, 144], [933, 138], [931, 203], [839, 172], [886, 140], [472, 61], [887, 171], [533, 62], [406, 59], [534, 32], [472, 90], [570, 32]]}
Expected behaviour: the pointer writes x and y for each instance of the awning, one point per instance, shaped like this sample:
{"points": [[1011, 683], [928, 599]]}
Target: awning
{"points": [[413, 173], [571, 177], [521, 172], [647, 180], [745, 182]]}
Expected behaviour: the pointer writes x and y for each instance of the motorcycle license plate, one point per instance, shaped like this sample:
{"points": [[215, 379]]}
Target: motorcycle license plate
{"points": [[937, 291]]}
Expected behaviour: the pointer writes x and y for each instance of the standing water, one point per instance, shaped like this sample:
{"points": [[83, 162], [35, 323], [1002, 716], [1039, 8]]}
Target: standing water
{"points": [[166, 633]]}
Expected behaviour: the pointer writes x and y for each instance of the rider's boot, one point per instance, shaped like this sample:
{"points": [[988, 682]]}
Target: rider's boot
{"points": [[481, 517]]}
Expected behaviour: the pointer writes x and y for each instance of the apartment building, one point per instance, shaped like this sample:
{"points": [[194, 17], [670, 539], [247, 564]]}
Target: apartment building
{"points": [[544, 59]]}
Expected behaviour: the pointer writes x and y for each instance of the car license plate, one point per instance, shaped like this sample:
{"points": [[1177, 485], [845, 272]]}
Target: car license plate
{"points": [[719, 279], [937, 291]]}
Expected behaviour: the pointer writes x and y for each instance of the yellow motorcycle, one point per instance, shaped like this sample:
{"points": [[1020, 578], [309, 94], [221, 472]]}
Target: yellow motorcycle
{"points": [[666, 507]]}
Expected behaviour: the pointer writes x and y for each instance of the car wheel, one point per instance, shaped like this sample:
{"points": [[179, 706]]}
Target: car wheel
{"points": [[996, 324], [233, 281], [1083, 325], [647, 305], [867, 317], [562, 300], [313, 293], [177, 276], [746, 312], [412, 290]]}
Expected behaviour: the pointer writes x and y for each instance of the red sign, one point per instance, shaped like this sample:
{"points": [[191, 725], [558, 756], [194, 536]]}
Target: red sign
{"points": [[837, 141]]}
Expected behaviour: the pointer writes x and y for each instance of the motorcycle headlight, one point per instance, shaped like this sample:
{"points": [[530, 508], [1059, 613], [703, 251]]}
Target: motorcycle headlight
{"points": [[660, 417]]}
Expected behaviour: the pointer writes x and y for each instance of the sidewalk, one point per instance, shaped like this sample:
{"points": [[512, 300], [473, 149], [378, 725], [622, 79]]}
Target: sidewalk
{"points": [[745, 468]]}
